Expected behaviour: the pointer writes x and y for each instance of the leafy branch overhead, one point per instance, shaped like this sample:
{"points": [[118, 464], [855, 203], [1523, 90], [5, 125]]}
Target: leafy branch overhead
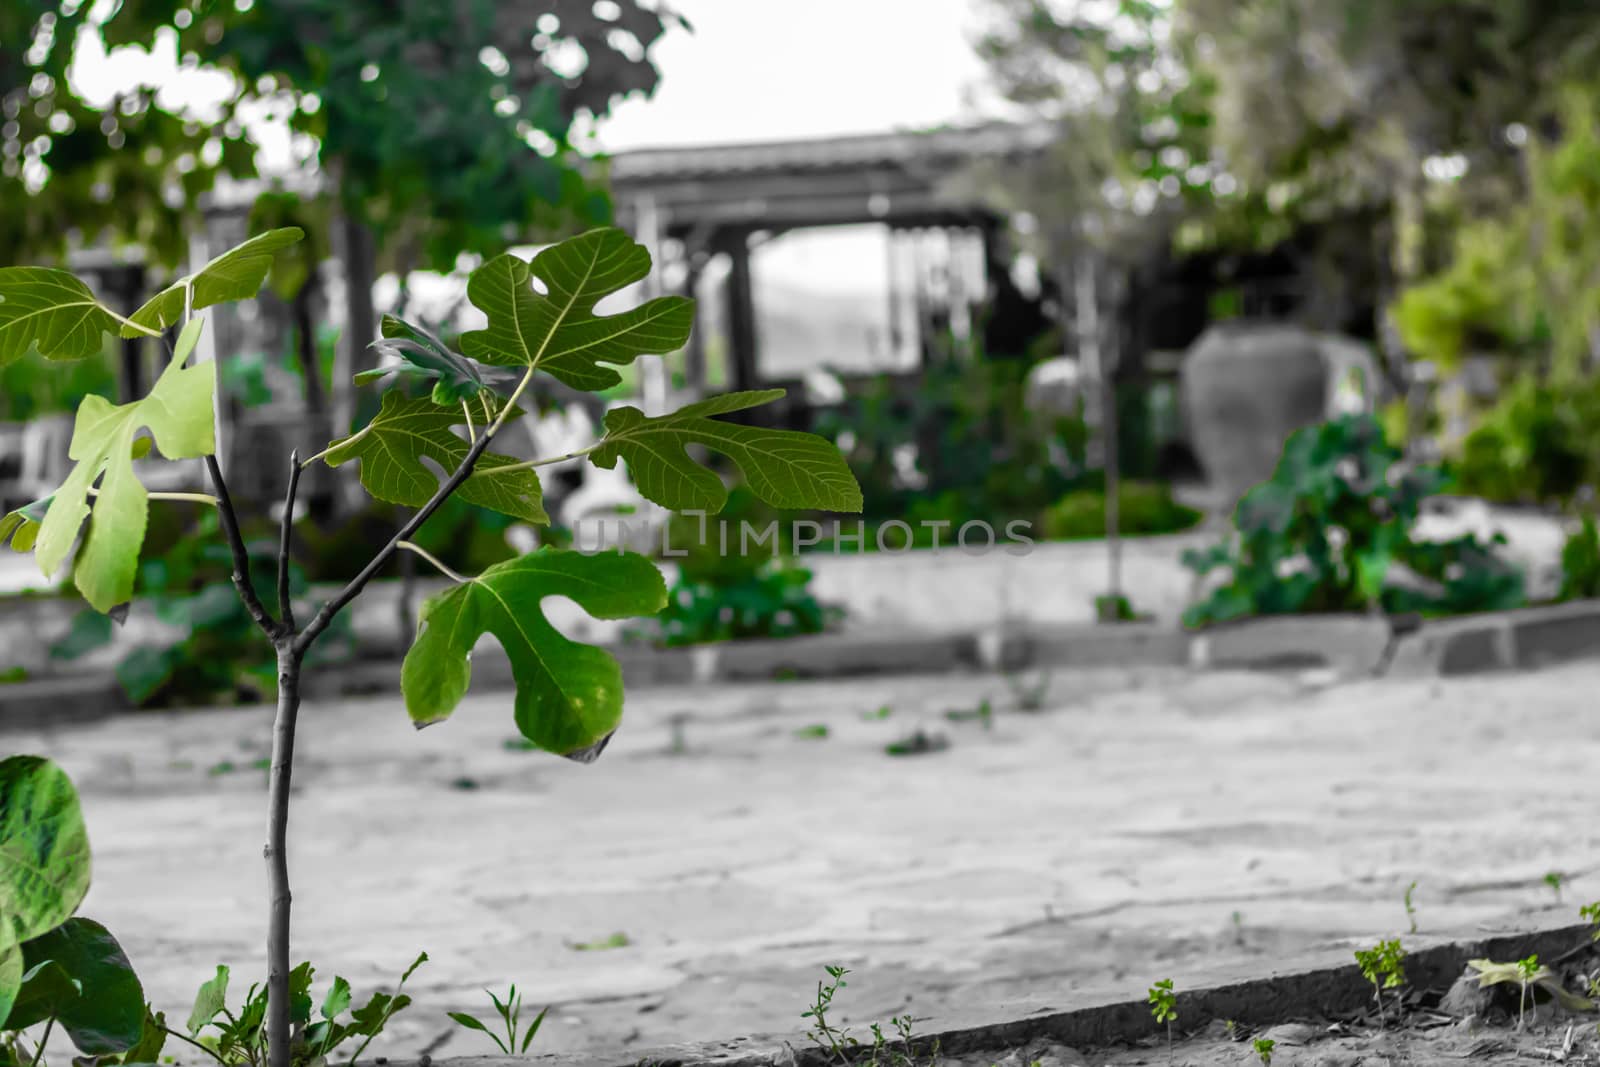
{"points": [[557, 331], [178, 413], [785, 468], [569, 695], [236, 274], [391, 449]]}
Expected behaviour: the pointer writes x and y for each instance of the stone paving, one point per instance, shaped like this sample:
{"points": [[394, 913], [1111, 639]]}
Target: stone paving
{"points": [[1143, 825]]}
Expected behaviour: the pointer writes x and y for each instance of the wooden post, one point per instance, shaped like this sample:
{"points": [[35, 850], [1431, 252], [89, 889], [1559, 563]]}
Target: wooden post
{"points": [[653, 382], [741, 314]]}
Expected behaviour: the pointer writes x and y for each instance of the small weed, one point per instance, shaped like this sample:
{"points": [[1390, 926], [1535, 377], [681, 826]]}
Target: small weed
{"points": [[464, 784], [1384, 966], [1411, 910], [616, 940], [1238, 928], [831, 1039], [917, 744], [239, 1039], [1231, 1028], [1591, 914], [227, 766], [837, 1042], [13, 674], [814, 732], [1164, 1008], [510, 1012], [680, 740], [983, 713], [1263, 1047], [1554, 880], [881, 713], [1527, 970]]}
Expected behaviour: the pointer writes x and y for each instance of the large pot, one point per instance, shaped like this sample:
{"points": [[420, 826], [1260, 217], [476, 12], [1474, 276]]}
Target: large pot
{"points": [[1245, 387]]}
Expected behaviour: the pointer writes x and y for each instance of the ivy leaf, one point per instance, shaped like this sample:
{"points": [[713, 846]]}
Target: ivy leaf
{"points": [[785, 468], [422, 355], [236, 274], [557, 331], [44, 848], [569, 695], [178, 413], [392, 446], [100, 1003], [52, 311]]}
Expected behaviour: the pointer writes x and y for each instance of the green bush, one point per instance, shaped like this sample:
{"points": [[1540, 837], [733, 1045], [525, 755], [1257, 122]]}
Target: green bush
{"points": [[1143, 509], [1580, 563], [1324, 533], [775, 601], [1537, 444]]}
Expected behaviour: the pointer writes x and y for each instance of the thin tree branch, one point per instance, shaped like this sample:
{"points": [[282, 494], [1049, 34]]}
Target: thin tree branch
{"points": [[325, 615], [241, 558], [285, 607]]}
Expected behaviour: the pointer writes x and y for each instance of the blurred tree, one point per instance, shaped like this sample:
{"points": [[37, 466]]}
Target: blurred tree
{"points": [[437, 127]]}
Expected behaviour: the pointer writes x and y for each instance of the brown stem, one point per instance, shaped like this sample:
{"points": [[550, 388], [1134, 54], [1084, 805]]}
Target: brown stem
{"points": [[285, 607], [241, 558], [325, 616], [276, 854]]}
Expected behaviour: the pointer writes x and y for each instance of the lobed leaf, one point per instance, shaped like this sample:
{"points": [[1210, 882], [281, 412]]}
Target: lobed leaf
{"points": [[178, 413], [86, 984], [44, 847], [569, 695], [392, 446], [236, 274], [557, 331], [785, 468], [53, 312]]}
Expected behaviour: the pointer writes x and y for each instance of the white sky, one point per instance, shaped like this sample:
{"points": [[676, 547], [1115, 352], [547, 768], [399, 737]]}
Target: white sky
{"points": [[775, 69]]}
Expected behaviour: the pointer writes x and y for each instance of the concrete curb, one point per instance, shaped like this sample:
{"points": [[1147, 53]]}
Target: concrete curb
{"points": [[1303, 991], [1525, 639], [1350, 645]]}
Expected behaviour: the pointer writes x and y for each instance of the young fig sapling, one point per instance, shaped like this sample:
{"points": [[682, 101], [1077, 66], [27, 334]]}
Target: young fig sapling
{"points": [[540, 322]]}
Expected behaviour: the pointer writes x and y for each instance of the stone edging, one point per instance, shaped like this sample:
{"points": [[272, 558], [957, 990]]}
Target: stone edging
{"points": [[1308, 991], [1349, 645]]}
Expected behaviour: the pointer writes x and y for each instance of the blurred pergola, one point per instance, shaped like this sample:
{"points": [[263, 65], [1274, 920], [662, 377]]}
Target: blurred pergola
{"points": [[691, 204]]}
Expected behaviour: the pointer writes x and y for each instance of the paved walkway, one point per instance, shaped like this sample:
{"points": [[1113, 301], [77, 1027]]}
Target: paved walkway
{"points": [[1141, 827]]}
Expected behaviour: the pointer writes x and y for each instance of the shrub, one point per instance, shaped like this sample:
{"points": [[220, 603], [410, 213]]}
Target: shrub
{"points": [[775, 601], [1580, 563], [1143, 509], [1324, 533]]}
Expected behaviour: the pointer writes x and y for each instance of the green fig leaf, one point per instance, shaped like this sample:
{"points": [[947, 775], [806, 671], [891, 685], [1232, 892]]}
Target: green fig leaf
{"points": [[569, 695], [236, 274], [392, 446], [557, 331], [178, 413], [785, 468], [52, 312]]}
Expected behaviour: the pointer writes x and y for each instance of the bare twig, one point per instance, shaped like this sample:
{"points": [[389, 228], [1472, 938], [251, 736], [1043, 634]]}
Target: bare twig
{"points": [[285, 607], [241, 558]]}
